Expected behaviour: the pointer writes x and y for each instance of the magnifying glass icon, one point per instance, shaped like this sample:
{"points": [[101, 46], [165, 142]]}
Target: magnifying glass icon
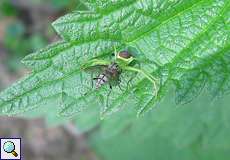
{"points": [[9, 147]]}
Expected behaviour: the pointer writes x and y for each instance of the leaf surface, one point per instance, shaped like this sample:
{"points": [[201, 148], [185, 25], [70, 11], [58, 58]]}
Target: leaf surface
{"points": [[181, 42]]}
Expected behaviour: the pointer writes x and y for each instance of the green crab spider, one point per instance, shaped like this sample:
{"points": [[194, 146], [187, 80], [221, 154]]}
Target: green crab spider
{"points": [[124, 64]]}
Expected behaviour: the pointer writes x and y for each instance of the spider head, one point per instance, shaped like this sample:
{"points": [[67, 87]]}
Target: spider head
{"points": [[124, 57], [124, 54]]}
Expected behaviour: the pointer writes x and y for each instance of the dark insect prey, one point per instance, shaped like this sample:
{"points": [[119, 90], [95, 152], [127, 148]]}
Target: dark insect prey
{"points": [[111, 73]]}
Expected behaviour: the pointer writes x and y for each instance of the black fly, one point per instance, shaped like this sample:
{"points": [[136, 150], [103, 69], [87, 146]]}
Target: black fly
{"points": [[111, 75]]}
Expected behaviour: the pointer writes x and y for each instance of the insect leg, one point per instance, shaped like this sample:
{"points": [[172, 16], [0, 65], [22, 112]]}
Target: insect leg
{"points": [[107, 97], [91, 76], [97, 78], [119, 85], [130, 80]]}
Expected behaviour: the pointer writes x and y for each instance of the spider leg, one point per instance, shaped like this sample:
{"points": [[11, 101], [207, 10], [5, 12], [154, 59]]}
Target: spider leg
{"points": [[115, 50], [133, 76], [146, 75]]}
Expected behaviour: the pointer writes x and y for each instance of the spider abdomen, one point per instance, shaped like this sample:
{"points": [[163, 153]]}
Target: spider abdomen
{"points": [[125, 54]]}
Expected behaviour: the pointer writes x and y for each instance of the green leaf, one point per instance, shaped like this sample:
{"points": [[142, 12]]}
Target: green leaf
{"points": [[193, 82], [185, 43]]}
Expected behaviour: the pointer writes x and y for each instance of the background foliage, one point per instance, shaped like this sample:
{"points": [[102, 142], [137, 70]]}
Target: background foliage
{"points": [[193, 131]]}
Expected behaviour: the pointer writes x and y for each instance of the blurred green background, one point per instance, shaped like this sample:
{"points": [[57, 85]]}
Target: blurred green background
{"points": [[196, 131], [25, 26]]}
